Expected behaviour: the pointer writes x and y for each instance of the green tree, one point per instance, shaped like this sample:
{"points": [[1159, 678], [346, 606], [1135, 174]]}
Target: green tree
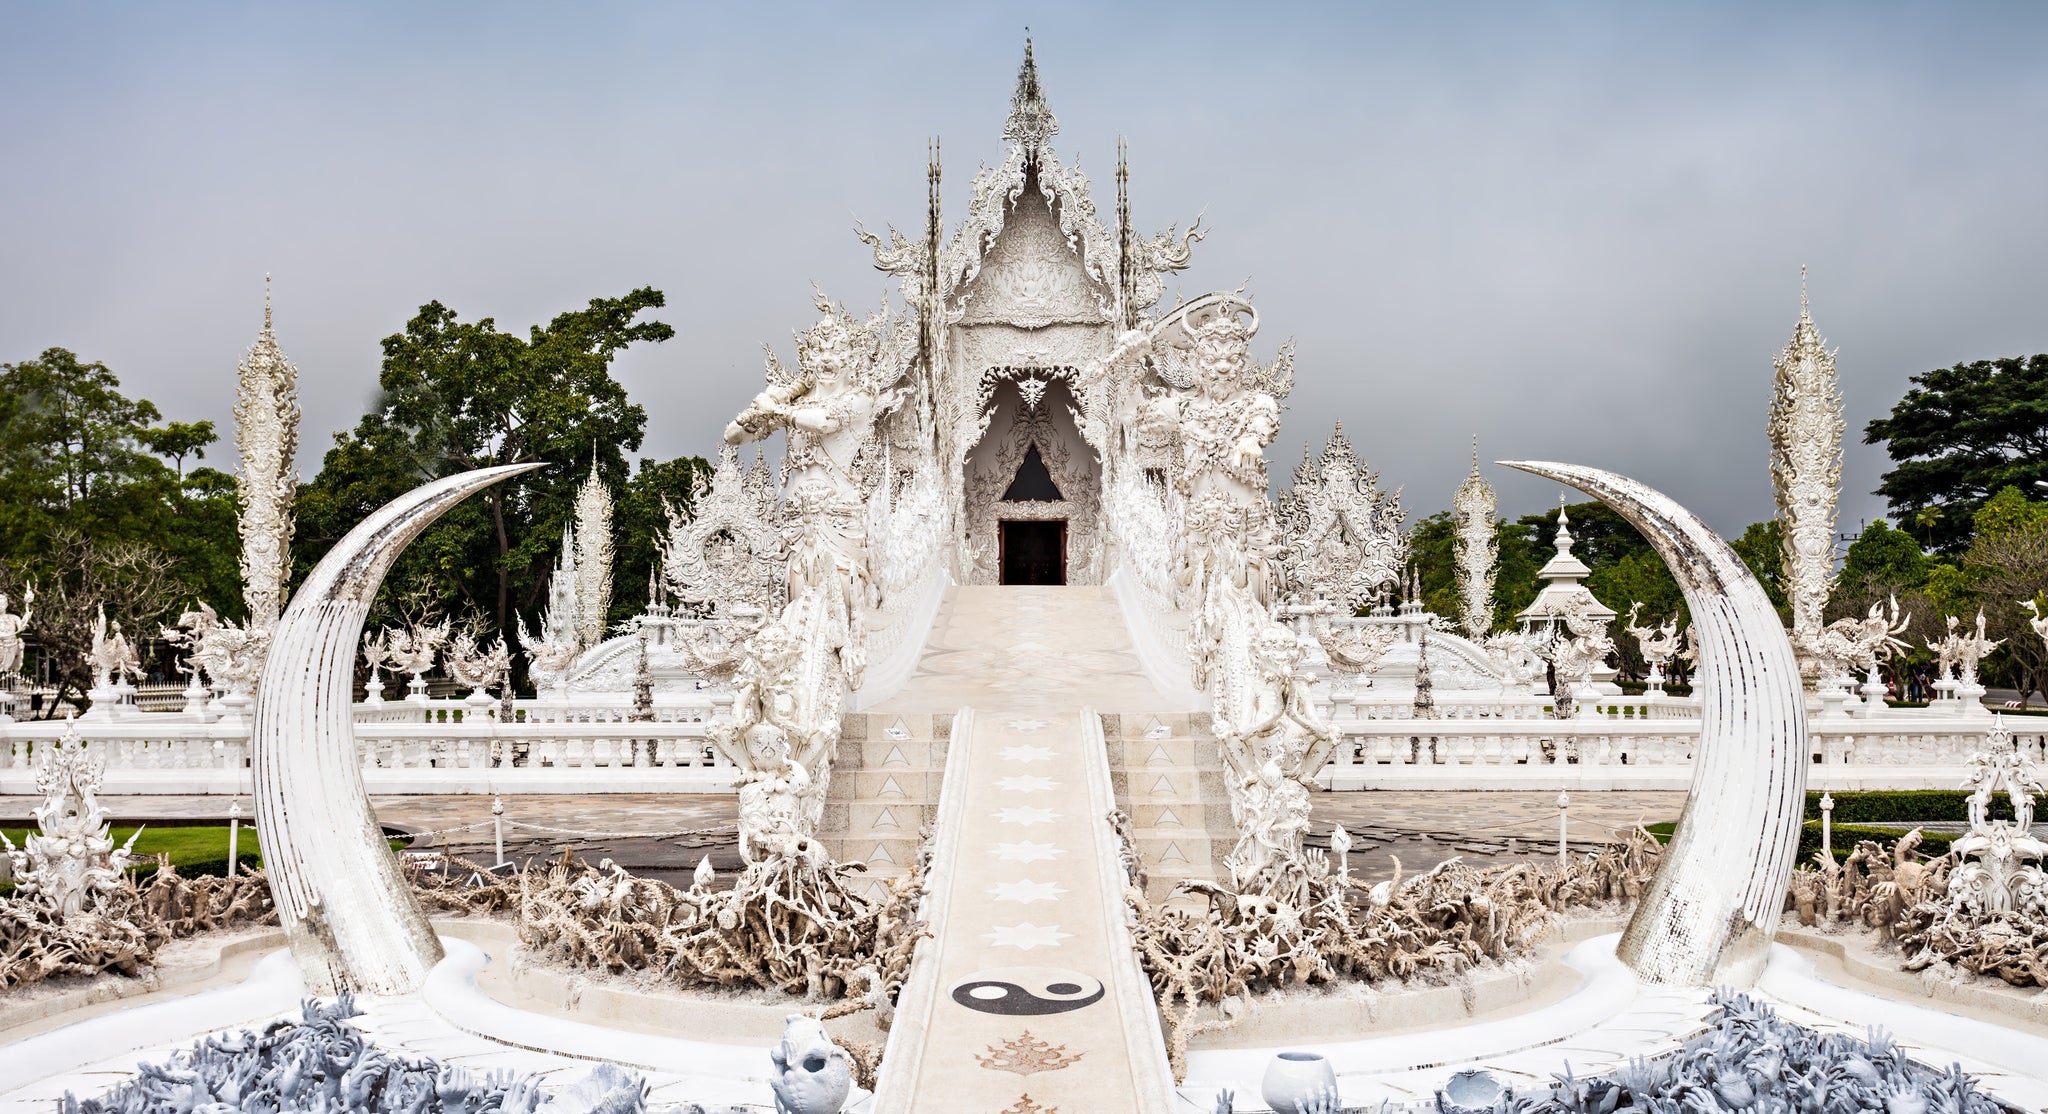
{"points": [[91, 514], [1762, 548], [1432, 550], [2007, 564], [1881, 560], [1960, 434], [641, 520], [459, 395]]}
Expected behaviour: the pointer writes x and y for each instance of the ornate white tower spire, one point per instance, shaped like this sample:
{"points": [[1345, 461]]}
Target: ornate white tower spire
{"points": [[1806, 474], [267, 436], [1472, 513], [593, 557], [1031, 122]]}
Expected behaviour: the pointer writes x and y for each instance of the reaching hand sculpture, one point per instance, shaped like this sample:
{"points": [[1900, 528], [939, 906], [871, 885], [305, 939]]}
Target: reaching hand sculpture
{"points": [[350, 916], [1704, 919]]}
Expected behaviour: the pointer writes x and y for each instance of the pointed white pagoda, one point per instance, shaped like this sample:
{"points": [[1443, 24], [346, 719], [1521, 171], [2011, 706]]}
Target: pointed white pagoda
{"points": [[593, 545], [267, 480], [1562, 592], [1806, 476], [1472, 510]]}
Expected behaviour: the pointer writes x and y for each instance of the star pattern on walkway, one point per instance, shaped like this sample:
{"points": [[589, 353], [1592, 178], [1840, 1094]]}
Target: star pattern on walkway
{"points": [[1027, 725], [1026, 754], [1025, 816], [1026, 936], [1026, 891], [1026, 783], [1025, 851]]}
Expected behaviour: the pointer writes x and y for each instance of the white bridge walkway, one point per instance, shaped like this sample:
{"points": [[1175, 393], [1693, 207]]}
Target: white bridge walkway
{"points": [[1029, 996]]}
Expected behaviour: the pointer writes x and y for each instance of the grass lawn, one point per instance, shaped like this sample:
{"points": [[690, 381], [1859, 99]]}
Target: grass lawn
{"points": [[193, 850]]}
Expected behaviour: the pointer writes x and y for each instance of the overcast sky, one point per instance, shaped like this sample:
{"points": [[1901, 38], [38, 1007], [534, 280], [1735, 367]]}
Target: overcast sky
{"points": [[1573, 230]]}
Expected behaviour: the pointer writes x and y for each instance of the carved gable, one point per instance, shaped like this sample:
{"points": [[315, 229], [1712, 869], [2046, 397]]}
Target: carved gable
{"points": [[1032, 277]]}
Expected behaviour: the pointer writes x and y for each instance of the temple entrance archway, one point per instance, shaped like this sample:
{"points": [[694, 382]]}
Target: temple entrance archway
{"points": [[1033, 489], [1034, 552]]}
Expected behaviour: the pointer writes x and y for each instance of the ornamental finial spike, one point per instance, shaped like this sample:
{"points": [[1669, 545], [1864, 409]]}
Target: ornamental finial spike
{"points": [[1803, 315], [266, 301], [1031, 123]]}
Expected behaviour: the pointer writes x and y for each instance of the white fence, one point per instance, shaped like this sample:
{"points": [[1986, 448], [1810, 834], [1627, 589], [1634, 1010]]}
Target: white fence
{"points": [[480, 756], [449, 747], [1900, 750]]}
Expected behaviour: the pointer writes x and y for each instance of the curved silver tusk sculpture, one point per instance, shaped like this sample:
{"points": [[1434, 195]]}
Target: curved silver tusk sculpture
{"points": [[351, 917], [1709, 913]]}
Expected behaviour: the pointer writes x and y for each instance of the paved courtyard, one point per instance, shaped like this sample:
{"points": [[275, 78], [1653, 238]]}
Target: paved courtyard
{"points": [[634, 829]]}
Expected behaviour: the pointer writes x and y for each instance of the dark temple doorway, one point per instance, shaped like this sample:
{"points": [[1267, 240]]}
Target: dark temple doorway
{"points": [[1035, 552]]}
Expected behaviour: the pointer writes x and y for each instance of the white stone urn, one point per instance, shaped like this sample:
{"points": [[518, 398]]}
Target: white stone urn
{"points": [[1473, 1092], [1295, 1079]]}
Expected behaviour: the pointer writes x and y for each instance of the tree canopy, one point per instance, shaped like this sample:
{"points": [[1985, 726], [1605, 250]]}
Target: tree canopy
{"points": [[459, 395], [1959, 435], [91, 513]]}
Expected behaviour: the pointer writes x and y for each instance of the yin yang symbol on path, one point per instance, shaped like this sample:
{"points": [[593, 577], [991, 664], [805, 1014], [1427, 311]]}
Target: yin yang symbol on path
{"points": [[1027, 991]]}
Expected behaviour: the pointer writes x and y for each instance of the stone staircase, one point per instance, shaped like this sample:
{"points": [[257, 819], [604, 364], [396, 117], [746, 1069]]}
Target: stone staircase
{"points": [[1168, 776], [885, 785]]}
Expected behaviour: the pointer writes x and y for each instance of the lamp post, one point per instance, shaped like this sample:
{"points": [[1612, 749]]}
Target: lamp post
{"points": [[1827, 825]]}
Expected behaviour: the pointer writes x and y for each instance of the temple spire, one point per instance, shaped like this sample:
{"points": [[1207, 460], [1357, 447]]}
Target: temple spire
{"points": [[1031, 123]]}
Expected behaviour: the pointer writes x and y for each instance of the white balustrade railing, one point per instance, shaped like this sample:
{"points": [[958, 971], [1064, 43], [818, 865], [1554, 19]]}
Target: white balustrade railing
{"points": [[697, 707], [1899, 748], [471, 757]]}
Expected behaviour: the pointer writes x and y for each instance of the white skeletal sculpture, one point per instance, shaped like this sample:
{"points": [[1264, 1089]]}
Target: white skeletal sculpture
{"points": [[1806, 475], [1353, 649], [231, 654], [1472, 509], [1340, 536], [113, 659], [2001, 868], [727, 552], [593, 559], [414, 649], [1513, 660], [1582, 644], [1848, 646], [784, 725], [73, 856], [11, 628], [475, 664], [1656, 643], [267, 437]]}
